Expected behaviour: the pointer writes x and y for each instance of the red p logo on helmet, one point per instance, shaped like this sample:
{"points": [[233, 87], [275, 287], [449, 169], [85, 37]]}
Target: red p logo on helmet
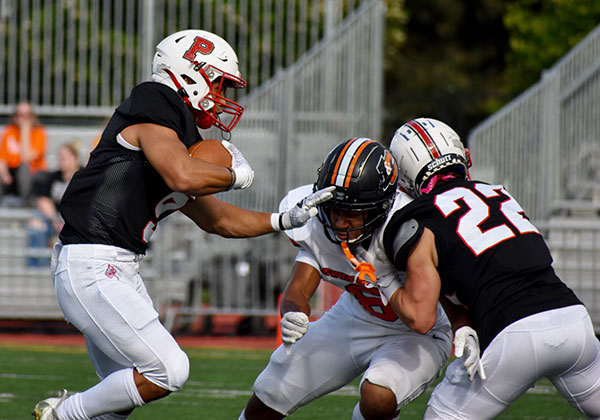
{"points": [[200, 45]]}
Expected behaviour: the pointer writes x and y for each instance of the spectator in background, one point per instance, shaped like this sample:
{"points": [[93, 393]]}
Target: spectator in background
{"points": [[22, 154], [48, 189]]}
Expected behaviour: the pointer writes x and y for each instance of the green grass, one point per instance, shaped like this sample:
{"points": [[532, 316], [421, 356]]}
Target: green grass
{"points": [[219, 386]]}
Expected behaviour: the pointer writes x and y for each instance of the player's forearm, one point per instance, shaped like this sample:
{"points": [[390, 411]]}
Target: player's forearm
{"points": [[303, 284], [416, 315], [215, 216], [197, 178], [243, 223], [298, 305]]}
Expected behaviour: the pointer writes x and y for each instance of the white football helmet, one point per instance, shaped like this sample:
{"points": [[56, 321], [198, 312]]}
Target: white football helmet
{"points": [[424, 146], [190, 62]]}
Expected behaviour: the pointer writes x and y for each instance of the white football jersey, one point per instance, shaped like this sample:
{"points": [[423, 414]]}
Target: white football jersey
{"points": [[329, 259]]}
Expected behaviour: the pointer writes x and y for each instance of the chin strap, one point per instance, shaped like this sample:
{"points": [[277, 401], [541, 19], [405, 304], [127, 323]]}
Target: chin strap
{"points": [[366, 271], [180, 90], [203, 119], [207, 118]]}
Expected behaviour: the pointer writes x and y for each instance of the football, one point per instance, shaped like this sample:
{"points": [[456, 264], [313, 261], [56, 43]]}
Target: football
{"points": [[213, 151]]}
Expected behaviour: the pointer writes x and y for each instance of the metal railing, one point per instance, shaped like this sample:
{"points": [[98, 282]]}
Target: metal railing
{"points": [[189, 273], [26, 290], [544, 146], [331, 93], [83, 57], [575, 247]]}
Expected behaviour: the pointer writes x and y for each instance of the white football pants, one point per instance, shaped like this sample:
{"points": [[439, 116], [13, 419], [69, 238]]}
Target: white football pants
{"points": [[338, 347], [101, 293], [559, 344]]}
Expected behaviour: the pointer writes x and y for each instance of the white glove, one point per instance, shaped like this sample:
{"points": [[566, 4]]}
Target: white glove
{"points": [[244, 175], [299, 214], [293, 326], [389, 278], [466, 338]]}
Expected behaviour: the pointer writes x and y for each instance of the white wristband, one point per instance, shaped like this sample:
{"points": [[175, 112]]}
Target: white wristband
{"points": [[275, 222], [388, 291]]}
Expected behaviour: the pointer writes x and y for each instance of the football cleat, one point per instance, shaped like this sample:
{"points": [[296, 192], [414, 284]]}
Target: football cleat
{"points": [[46, 409]]}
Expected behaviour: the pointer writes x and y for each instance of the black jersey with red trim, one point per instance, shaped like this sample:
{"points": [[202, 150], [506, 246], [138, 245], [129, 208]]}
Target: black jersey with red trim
{"points": [[119, 198], [490, 255]]}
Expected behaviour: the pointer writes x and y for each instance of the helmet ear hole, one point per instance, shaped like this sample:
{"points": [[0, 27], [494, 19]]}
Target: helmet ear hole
{"points": [[187, 79]]}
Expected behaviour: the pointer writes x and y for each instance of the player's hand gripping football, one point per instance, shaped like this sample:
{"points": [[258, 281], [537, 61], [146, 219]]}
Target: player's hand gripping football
{"points": [[299, 214], [465, 338], [293, 326], [244, 175]]}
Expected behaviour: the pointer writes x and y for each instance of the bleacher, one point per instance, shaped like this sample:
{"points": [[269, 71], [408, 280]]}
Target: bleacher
{"points": [[25, 292], [573, 236]]}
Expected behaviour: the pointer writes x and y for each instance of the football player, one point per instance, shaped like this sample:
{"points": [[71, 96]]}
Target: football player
{"points": [[139, 173], [360, 334], [472, 242]]}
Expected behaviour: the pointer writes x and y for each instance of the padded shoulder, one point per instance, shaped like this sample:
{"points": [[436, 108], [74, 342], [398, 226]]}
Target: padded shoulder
{"points": [[399, 237], [153, 102]]}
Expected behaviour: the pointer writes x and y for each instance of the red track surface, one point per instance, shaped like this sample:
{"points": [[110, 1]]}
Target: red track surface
{"points": [[245, 342]]}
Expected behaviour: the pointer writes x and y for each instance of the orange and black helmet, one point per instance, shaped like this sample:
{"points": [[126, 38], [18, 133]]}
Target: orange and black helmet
{"points": [[365, 177]]}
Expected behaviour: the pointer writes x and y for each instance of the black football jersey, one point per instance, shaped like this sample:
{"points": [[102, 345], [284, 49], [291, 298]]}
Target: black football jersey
{"points": [[490, 256], [119, 198]]}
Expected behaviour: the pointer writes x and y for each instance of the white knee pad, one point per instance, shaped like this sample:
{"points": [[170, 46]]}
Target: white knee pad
{"points": [[171, 373], [178, 371]]}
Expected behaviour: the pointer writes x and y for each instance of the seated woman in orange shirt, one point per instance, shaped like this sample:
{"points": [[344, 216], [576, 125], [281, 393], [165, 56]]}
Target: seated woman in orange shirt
{"points": [[22, 154]]}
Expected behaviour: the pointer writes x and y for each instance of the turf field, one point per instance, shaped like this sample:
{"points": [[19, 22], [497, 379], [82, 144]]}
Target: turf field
{"points": [[219, 386]]}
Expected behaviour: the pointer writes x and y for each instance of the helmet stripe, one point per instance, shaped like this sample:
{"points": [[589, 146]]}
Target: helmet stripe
{"points": [[353, 163], [339, 161], [425, 138], [347, 160]]}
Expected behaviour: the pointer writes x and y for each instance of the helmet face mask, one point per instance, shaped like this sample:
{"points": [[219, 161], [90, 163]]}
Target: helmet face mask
{"points": [[200, 66], [365, 176], [425, 147], [329, 215]]}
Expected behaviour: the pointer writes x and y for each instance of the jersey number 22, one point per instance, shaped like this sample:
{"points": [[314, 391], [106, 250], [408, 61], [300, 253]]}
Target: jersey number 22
{"points": [[469, 225]]}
